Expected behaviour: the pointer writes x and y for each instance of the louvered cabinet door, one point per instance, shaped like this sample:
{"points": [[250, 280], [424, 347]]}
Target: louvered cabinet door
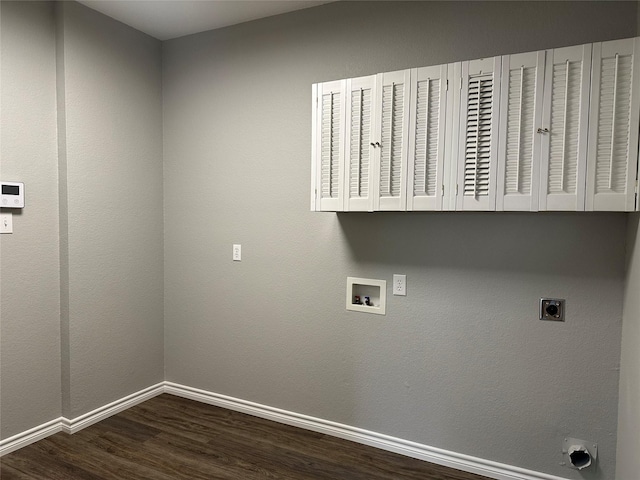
{"points": [[519, 141], [328, 150], [452, 129], [427, 115], [565, 128], [478, 134], [392, 136], [613, 126], [359, 143]]}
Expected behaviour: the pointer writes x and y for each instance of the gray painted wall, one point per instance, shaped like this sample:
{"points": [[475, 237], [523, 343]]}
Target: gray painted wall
{"points": [[461, 363], [82, 286], [112, 156], [628, 445], [627, 461], [29, 330]]}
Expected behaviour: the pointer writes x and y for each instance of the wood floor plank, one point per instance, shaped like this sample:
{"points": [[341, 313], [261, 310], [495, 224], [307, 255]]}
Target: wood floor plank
{"points": [[173, 438], [40, 462], [260, 458], [319, 448], [100, 461], [262, 436], [205, 462], [10, 472]]}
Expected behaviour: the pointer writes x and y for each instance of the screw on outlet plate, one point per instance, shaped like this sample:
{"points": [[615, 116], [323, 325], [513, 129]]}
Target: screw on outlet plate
{"points": [[552, 309]]}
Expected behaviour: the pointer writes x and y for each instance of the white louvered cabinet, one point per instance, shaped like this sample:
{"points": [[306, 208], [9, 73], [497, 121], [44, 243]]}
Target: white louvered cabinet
{"points": [[327, 176], [554, 130], [478, 134], [613, 126], [427, 135], [519, 140], [565, 128], [452, 129], [391, 140], [359, 144]]}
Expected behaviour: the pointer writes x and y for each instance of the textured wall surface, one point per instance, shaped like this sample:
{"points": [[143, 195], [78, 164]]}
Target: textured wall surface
{"points": [[82, 285], [461, 362], [112, 252], [30, 288], [628, 445], [628, 462]]}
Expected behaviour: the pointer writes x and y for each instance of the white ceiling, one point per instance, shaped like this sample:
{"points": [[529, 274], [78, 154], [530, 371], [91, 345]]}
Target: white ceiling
{"points": [[166, 19]]}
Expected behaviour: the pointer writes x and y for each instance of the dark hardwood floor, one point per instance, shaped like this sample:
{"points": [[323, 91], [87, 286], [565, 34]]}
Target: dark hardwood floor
{"points": [[169, 438]]}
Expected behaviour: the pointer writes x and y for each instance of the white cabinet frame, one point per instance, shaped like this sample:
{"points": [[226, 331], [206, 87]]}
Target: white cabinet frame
{"points": [[427, 136], [328, 151], [392, 137], [519, 138], [478, 134], [613, 126], [564, 123], [359, 163], [541, 131]]}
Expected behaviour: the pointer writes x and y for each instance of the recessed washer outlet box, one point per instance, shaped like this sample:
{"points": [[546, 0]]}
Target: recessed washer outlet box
{"points": [[552, 309], [367, 295]]}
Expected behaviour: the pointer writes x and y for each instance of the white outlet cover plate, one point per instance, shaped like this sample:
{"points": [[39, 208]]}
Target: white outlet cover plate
{"points": [[399, 284], [6, 222], [237, 253]]}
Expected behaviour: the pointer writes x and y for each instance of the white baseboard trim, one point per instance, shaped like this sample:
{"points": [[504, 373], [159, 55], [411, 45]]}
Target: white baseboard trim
{"points": [[62, 424], [99, 414], [32, 435], [466, 463]]}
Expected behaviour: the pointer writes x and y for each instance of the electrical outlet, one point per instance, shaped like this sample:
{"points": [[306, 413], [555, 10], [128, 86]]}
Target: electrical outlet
{"points": [[399, 284], [237, 253], [552, 309]]}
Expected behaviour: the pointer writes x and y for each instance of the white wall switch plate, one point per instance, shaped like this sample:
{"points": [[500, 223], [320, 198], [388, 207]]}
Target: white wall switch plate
{"points": [[6, 222], [237, 252], [399, 284]]}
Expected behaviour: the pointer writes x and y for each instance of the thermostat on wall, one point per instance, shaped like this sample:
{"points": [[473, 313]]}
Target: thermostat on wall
{"points": [[12, 195]]}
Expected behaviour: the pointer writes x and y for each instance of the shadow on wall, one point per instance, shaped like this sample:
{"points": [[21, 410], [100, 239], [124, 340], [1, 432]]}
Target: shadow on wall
{"points": [[633, 224], [586, 244]]}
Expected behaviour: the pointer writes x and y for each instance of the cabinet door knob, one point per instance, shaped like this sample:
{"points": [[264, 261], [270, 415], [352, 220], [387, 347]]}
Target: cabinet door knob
{"points": [[378, 144], [543, 130]]}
